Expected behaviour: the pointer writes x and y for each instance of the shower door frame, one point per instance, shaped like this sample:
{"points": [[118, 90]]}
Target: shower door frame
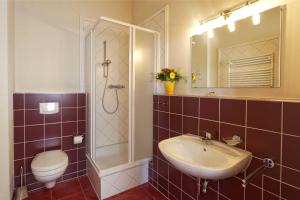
{"points": [[131, 67]]}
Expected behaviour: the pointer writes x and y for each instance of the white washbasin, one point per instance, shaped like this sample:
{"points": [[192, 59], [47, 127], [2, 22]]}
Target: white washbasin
{"points": [[208, 160]]}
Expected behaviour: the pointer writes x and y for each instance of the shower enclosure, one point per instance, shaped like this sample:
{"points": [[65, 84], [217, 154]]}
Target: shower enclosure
{"points": [[120, 60]]}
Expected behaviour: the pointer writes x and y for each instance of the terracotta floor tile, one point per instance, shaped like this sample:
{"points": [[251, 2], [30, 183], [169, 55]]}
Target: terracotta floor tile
{"points": [[81, 189], [39, 195]]}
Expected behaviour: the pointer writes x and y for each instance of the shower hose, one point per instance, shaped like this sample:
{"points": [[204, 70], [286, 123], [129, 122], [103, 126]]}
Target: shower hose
{"points": [[103, 95]]}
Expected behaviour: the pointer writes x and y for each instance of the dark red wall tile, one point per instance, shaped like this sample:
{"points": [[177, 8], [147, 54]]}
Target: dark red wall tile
{"points": [[33, 148], [175, 176], [28, 165], [18, 101], [190, 125], [264, 144], [185, 196], [163, 169], [71, 168], [81, 166], [290, 148], [163, 120], [271, 185], [269, 196], [176, 104], [69, 114], [189, 185], [291, 116], [53, 130], [209, 126], [291, 176], [155, 148], [174, 192], [69, 100], [155, 133], [54, 98], [155, 102], [81, 100], [176, 123], [233, 111], [191, 106], [34, 132], [18, 151], [53, 118], [81, 154], [155, 118], [209, 108], [162, 182], [163, 134], [289, 192], [264, 115], [33, 117], [67, 143], [253, 193], [81, 113], [72, 154], [69, 128], [19, 134], [81, 127], [19, 118], [163, 103], [32, 101], [174, 134], [52, 144], [226, 188]]}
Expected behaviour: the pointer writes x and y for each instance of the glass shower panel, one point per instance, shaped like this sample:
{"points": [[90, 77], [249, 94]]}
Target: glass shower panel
{"points": [[144, 57], [112, 92], [88, 89]]}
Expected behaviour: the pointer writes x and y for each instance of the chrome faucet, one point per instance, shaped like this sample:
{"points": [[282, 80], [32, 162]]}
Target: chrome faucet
{"points": [[207, 138]]}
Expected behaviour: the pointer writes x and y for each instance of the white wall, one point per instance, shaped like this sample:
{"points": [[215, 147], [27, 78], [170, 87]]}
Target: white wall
{"points": [[183, 17], [6, 89], [47, 40]]}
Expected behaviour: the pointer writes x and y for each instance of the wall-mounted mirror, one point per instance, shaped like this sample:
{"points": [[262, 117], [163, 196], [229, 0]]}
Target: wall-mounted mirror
{"points": [[246, 57]]}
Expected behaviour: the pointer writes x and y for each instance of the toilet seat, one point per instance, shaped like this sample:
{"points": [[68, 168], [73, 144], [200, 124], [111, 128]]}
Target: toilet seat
{"points": [[50, 162]]}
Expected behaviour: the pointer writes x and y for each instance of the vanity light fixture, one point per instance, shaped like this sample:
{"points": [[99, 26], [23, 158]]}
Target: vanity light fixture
{"points": [[256, 19], [210, 33], [251, 8], [231, 26]]}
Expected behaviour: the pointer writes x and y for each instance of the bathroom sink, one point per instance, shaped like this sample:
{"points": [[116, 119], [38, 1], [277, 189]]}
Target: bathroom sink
{"points": [[204, 159]]}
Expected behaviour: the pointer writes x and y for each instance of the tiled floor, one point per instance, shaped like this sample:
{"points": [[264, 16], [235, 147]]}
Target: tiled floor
{"points": [[143, 192], [81, 189], [77, 189]]}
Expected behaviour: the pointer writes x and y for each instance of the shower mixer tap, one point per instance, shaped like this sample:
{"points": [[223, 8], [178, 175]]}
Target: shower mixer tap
{"points": [[116, 86]]}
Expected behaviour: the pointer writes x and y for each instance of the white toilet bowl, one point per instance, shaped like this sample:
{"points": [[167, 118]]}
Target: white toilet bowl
{"points": [[48, 166]]}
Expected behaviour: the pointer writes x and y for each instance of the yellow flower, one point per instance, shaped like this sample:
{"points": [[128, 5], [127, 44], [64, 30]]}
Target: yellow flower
{"points": [[172, 75]]}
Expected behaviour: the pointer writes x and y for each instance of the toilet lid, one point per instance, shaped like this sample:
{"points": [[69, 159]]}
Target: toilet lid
{"points": [[49, 160]]}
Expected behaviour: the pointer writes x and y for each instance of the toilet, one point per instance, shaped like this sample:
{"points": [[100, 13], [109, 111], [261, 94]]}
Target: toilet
{"points": [[48, 166]]}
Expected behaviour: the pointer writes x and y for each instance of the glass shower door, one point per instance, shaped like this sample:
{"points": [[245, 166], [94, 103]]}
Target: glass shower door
{"points": [[112, 51], [145, 62]]}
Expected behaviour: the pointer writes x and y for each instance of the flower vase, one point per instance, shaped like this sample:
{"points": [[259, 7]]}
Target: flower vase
{"points": [[169, 86]]}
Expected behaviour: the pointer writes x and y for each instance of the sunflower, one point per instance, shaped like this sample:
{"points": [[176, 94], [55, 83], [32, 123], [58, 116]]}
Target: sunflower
{"points": [[172, 75]]}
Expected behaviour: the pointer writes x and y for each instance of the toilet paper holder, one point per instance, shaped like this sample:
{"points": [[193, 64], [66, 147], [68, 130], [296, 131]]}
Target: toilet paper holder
{"points": [[78, 139]]}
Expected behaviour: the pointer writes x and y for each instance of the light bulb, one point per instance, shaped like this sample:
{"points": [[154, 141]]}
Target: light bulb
{"points": [[231, 26], [256, 19], [210, 33]]}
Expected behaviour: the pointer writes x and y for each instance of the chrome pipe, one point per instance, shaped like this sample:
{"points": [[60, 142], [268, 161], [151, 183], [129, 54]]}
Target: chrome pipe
{"points": [[267, 163]]}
